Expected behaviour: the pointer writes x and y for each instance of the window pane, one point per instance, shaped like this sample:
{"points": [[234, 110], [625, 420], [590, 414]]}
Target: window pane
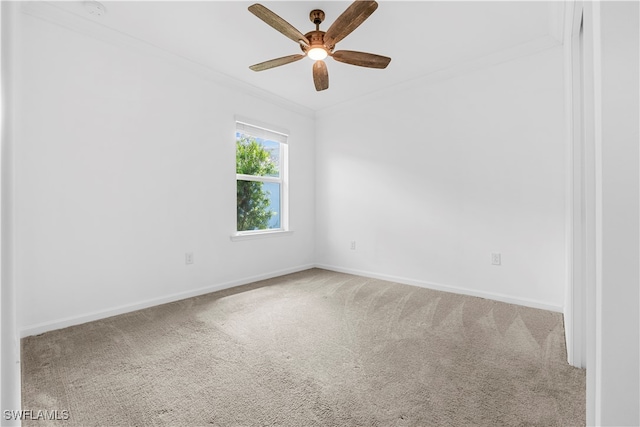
{"points": [[258, 205], [257, 156], [273, 191]]}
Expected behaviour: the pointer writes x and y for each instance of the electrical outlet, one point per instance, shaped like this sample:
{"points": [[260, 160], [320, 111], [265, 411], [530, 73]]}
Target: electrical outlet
{"points": [[188, 258], [353, 245], [496, 258]]}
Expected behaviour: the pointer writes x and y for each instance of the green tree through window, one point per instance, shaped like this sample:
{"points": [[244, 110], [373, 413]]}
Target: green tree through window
{"points": [[254, 201]]}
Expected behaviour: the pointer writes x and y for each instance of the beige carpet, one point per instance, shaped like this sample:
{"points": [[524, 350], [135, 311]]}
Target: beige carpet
{"points": [[315, 348]]}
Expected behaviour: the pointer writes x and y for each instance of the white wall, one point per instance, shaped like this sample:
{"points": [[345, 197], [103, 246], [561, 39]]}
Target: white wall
{"points": [[125, 161], [617, 71], [431, 179]]}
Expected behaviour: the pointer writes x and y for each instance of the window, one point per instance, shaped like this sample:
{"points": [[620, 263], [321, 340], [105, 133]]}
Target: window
{"points": [[261, 179]]}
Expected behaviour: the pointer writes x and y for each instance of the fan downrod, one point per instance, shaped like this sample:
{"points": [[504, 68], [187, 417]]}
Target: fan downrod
{"points": [[316, 38]]}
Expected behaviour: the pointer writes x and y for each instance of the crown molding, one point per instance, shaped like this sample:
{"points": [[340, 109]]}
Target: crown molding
{"points": [[49, 12], [525, 49]]}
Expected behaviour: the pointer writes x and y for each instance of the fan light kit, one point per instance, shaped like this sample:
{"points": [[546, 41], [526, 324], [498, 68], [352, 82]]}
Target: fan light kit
{"points": [[317, 45], [317, 54]]}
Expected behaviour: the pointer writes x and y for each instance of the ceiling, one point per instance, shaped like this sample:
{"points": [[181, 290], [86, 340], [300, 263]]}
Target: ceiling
{"points": [[421, 37]]}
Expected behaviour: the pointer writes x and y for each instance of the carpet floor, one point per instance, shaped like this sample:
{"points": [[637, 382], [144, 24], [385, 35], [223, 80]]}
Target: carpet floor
{"points": [[315, 348]]}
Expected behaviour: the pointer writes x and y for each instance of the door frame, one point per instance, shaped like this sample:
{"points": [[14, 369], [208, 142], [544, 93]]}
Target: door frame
{"points": [[581, 61]]}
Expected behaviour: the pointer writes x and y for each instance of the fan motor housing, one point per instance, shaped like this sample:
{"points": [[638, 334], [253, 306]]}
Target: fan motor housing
{"points": [[316, 39]]}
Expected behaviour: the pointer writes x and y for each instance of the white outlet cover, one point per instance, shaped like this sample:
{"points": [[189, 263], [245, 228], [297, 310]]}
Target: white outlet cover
{"points": [[496, 258]]}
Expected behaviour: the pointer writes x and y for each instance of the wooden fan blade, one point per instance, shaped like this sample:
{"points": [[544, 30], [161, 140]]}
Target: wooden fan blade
{"points": [[361, 59], [320, 75], [278, 23], [276, 62], [350, 19]]}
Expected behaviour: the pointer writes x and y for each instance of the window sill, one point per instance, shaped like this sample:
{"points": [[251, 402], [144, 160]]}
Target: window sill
{"points": [[259, 235]]}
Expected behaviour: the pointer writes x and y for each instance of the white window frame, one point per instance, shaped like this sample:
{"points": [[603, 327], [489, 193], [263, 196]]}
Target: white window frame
{"points": [[269, 132]]}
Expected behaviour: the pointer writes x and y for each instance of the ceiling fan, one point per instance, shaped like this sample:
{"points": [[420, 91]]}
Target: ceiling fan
{"points": [[317, 44]]}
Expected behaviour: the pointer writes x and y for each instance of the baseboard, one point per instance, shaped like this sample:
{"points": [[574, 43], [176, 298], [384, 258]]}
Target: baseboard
{"points": [[103, 314], [446, 288]]}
